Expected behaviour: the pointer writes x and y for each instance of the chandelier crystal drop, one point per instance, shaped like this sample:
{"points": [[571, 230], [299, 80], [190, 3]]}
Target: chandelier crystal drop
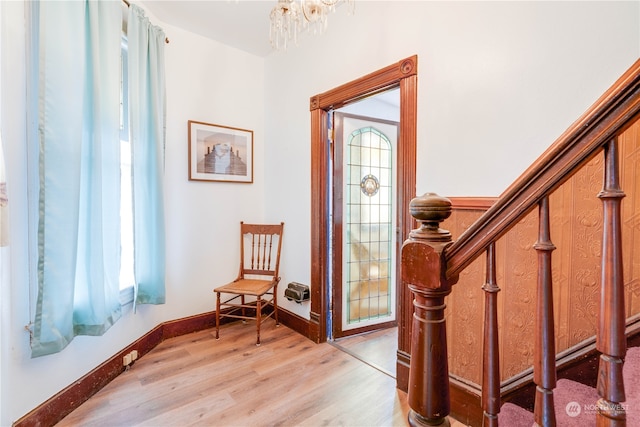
{"points": [[289, 17]]}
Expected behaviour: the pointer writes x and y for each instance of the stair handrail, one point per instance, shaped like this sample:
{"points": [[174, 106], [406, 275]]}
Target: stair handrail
{"points": [[582, 141]]}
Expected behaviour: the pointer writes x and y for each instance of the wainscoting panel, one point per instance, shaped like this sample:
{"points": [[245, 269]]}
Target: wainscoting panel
{"points": [[576, 231]]}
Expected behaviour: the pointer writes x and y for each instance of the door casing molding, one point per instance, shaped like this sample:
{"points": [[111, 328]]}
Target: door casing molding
{"points": [[402, 74]]}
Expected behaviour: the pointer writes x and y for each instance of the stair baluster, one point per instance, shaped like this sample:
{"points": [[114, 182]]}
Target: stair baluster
{"points": [[491, 353], [544, 364], [423, 269], [610, 339]]}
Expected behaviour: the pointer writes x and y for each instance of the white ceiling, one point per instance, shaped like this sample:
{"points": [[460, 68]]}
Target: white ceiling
{"points": [[243, 24]]}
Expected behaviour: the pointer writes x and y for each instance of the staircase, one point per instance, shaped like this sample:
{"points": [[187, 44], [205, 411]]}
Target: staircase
{"points": [[575, 402], [432, 264]]}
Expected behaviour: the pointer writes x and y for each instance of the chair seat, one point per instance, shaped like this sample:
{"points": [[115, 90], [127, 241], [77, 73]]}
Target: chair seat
{"points": [[253, 287]]}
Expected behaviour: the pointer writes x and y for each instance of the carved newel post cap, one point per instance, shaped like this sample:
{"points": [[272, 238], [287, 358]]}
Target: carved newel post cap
{"points": [[430, 210]]}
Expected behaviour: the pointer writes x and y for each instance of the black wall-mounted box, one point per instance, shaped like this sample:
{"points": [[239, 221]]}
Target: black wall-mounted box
{"points": [[297, 292]]}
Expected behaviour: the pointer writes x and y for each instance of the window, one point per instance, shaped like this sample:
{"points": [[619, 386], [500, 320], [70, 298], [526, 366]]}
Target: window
{"points": [[126, 206]]}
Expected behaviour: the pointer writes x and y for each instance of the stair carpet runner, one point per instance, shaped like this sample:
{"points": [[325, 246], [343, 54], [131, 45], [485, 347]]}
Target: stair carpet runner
{"points": [[575, 403]]}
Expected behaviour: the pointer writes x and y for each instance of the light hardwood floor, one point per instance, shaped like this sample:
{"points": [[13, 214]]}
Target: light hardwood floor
{"points": [[194, 380], [377, 348]]}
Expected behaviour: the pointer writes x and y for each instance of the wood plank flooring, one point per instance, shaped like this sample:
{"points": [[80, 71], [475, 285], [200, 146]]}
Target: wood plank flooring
{"points": [[377, 348], [194, 380]]}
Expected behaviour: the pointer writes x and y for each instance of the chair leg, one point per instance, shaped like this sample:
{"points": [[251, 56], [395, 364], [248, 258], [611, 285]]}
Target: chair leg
{"points": [[244, 321], [218, 315], [258, 318]]}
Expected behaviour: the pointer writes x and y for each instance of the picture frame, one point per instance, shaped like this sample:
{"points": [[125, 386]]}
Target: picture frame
{"points": [[220, 153]]}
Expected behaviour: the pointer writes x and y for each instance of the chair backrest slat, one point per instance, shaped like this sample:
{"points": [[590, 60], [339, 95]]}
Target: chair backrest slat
{"points": [[261, 259], [253, 250]]}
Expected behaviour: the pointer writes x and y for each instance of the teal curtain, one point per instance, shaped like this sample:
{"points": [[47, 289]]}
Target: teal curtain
{"points": [[147, 108], [77, 74]]}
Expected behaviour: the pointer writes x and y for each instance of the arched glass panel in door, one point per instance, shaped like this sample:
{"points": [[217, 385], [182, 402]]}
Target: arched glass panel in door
{"points": [[369, 232]]}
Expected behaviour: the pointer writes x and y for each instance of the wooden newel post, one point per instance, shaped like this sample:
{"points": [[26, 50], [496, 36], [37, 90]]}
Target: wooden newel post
{"points": [[423, 268]]}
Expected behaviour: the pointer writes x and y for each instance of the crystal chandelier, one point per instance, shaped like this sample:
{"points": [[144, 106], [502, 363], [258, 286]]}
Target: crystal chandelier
{"points": [[289, 17]]}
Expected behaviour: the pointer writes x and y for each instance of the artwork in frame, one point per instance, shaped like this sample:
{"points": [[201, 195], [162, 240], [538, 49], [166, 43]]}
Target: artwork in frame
{"points": [[220, 153]]}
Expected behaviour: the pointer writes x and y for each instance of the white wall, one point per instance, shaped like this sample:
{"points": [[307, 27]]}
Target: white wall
{"points": [[212, 83], [498, 82], [206, 81]]}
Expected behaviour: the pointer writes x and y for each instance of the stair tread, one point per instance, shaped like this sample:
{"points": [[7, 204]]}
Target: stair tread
{"points": [[631, 376], [514, 415], [573, 407], [575, 402]]}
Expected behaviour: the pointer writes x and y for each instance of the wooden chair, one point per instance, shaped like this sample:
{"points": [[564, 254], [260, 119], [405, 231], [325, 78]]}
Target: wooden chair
{"points": [[259, 265]]}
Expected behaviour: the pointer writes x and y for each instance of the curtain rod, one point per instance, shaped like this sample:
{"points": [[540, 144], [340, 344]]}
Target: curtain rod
{"points": [[166, 39]]}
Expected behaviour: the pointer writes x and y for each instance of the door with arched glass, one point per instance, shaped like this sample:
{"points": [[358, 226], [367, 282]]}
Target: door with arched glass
{"points": [[364, 210]]}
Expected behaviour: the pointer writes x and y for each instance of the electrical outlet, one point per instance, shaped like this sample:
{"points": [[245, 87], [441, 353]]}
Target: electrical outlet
{"points": [[126, 360], [134, 355]]}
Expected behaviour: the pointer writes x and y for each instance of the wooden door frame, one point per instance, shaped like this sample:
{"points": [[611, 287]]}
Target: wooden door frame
{"points": [[402, 74]]}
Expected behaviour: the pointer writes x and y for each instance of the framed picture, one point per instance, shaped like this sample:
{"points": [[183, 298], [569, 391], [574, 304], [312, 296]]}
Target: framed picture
{"points": [[220, 153]]}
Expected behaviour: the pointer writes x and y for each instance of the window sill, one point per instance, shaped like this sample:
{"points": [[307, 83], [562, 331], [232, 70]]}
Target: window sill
{"points": [[126, 296]]}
